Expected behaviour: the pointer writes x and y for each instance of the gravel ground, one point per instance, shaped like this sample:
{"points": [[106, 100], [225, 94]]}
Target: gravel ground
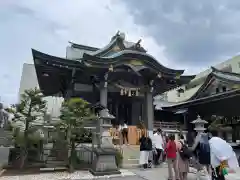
{"points": [[135, 174]]}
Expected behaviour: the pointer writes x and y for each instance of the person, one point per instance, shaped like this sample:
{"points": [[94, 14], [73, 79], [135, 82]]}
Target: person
{"points": [[123, 128], [145, 149], [158, 145], [171, 152], [201, 149], [222, 158], [183, 162], [165, 139]]}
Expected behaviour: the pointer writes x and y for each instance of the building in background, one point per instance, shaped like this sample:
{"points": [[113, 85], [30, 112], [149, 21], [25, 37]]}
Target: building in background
{"points": [[185, 92], [29, 81]]}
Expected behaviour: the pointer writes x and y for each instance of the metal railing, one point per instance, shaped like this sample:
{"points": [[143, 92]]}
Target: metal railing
{"points": [[167, 125]]}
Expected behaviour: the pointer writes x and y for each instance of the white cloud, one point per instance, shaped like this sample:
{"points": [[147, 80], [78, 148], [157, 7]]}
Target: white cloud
{"points": [[49, 25]]}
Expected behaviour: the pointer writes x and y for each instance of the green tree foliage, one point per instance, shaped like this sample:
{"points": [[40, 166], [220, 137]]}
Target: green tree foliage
{"points": [[75, 113], [29, 113]]}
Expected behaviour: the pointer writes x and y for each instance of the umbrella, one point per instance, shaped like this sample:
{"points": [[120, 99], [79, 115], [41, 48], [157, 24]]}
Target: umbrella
{"points": [[220, 151], [220, 148]]}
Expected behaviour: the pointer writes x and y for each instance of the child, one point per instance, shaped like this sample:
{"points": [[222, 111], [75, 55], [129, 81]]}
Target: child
{"points": [[171, 152], [183, 162]]}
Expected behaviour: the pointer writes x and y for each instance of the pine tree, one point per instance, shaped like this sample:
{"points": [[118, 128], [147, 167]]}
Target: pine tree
{"points": [[75, 113], [29, 112]]}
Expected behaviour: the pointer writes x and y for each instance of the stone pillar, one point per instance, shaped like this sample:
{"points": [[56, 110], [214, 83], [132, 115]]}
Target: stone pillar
{"points": [[104, 161], [149, 111], [103, 94]]}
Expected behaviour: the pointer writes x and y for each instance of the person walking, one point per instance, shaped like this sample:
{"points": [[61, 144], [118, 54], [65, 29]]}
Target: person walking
{"points": [[201, 149], [183, 159], [223, 158], [158, 145], [123, 129], [145, 149], [171, 152]]}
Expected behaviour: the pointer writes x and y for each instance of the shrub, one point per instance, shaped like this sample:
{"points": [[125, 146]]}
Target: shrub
{"points": [[119, 158]]}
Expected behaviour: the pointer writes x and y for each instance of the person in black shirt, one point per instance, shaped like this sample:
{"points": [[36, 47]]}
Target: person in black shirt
{"points": [[145, 149]]}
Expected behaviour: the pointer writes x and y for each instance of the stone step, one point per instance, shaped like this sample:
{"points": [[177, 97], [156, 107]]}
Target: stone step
{"points": [[54, 165], [131, 155], [51, 169], [131, 152], [52, 158], [131, 161], [55, 162]]}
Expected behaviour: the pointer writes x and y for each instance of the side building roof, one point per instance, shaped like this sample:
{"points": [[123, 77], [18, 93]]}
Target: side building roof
{"points": [[198, 98]]}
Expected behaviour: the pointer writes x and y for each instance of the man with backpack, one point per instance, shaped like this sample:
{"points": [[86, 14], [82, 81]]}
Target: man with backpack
{"points": [[201, 149]]}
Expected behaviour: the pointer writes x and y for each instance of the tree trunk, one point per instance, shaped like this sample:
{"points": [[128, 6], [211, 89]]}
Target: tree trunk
{"points": [[72, 156], [22, 158], [24, 150]]}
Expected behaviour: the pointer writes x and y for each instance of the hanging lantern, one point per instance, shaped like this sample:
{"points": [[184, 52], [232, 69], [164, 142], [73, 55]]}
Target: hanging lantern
{"points": [[110, 68], [121, 92], [151, 83], [129, 93], [159, 75], [151, 89], [137, 92], [125, 91], [105, 84]]}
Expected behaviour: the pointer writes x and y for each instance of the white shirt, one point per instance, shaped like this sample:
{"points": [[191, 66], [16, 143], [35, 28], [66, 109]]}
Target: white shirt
{"points": [[121, 127], [157, 141]]}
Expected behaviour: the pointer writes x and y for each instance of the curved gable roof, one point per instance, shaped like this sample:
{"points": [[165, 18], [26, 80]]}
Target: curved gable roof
{"points": [[214, 75]]}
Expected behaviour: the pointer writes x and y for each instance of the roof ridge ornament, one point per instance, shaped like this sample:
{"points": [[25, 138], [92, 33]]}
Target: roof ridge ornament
{"points": [[122, 35], [116, 35], [138, 43]]}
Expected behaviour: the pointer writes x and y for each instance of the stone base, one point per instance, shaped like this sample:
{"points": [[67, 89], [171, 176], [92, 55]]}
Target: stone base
{"points": [[104, 162]]}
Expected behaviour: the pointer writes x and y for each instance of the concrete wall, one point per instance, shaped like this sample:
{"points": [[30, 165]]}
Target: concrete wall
{"points": [[28, 78], [29, 81]]}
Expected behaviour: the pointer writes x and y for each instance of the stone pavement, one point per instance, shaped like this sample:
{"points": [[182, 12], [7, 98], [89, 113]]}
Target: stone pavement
{"points": [[133, 174], [162, 174]]}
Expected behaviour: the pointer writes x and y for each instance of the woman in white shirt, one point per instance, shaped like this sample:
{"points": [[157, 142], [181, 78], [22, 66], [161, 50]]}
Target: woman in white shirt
{"points": [[124, 131]]}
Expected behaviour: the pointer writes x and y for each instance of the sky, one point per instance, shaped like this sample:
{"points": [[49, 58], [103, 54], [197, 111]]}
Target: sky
{"points": [[190, 35]]}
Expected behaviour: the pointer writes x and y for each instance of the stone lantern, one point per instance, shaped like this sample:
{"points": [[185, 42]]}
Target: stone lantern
{"points": [[199, 124], [104, 159], [105, 125]]}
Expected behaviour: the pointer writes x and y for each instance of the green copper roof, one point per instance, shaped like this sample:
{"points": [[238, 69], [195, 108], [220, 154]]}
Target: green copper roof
{"points": [[124, 57], [223, 76]]}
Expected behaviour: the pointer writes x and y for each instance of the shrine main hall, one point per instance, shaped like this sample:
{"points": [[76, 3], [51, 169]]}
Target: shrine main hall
{"points": [[121, 76]]}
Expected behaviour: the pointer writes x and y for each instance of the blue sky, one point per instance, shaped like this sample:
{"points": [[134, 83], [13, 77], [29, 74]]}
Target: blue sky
{"points": [[182, 34]]}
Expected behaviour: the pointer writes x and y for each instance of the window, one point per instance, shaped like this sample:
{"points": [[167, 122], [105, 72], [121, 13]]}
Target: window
{"points": [[217, 90]]}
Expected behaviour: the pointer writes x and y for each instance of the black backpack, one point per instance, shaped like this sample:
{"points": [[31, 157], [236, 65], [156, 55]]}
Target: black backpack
{"points": [[185, 152], [204, 144]]}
